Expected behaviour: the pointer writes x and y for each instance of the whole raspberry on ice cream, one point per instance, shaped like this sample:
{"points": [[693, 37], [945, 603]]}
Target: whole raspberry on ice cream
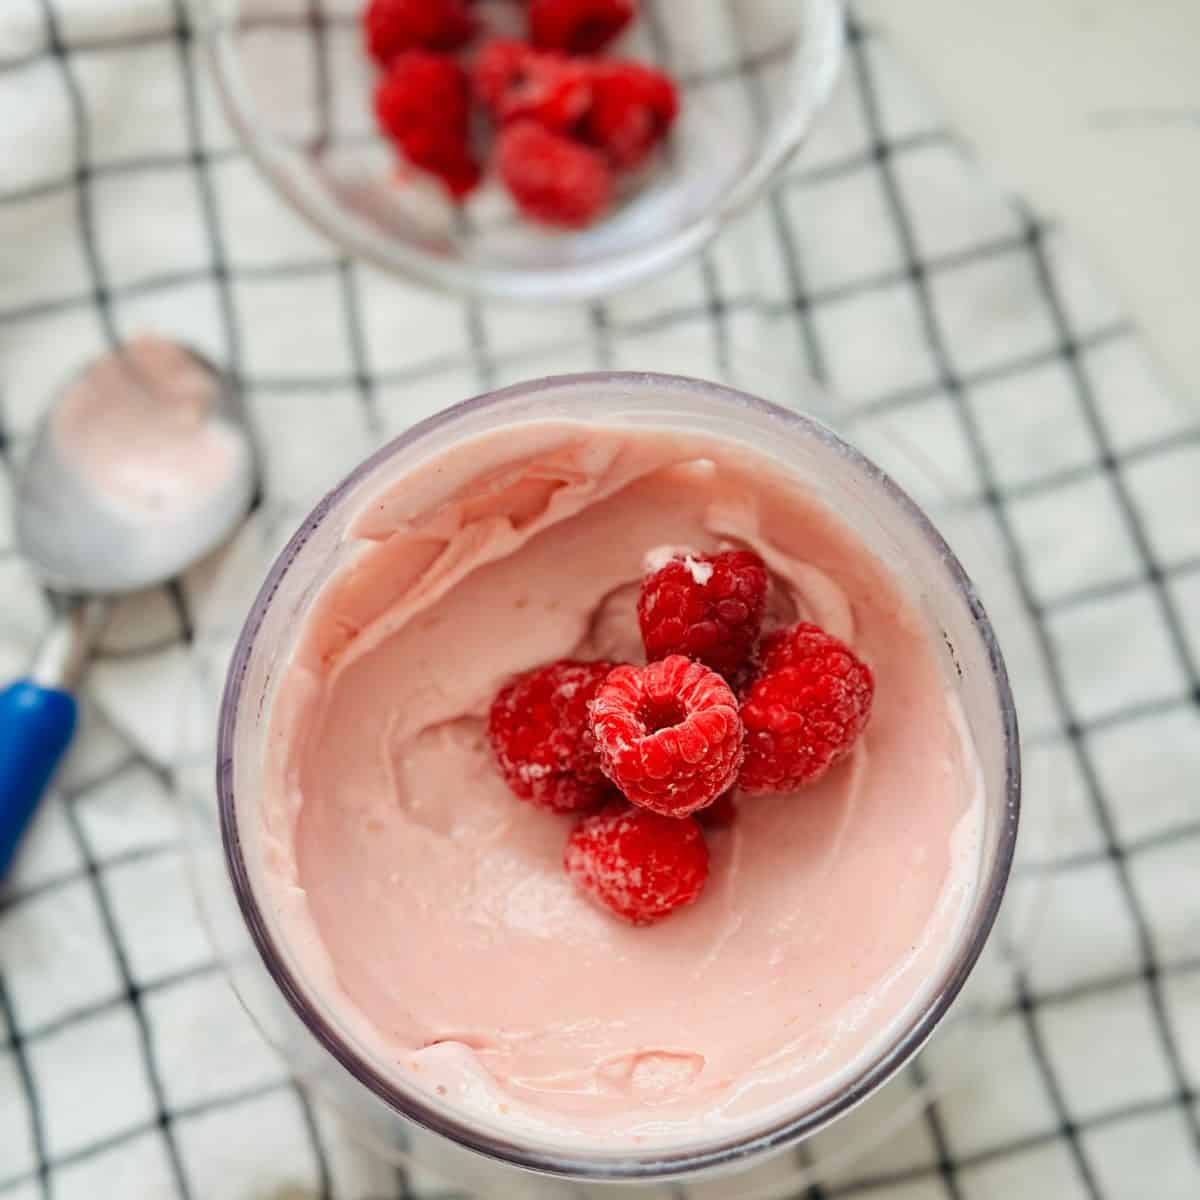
{"points": [[637, 864], [706, 606], [539, 732], [803, 711], [668, 734]]}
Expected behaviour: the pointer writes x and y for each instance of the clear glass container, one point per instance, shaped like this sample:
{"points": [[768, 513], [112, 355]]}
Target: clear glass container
{"points": [[272, 981], [296, 85]]}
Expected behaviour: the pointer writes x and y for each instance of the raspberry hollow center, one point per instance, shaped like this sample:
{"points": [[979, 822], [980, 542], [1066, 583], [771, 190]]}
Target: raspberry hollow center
{"points": [[660, 713]]}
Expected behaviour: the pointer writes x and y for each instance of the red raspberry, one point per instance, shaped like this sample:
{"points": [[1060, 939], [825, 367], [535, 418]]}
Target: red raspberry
{"points": [[538, 728], [450, 160], [708, 607], [803, 711], [720, 814], [423, 104], [551, 178], [633, 109], [668, 734], [393, 26], [639, 865], [514, 81], [578, 26], [423, 90]]}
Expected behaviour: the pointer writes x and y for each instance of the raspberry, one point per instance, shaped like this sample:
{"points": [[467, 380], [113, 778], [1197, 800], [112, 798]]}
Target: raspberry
{"points": [[668, 734], [551, 178], [803, 711], [578, 26], [538, 728], [450, 160], [423, 105], [633, 108], [423, 91], [639, 865], [515, 81], [720, 814], [393, 26], [707, 607]]}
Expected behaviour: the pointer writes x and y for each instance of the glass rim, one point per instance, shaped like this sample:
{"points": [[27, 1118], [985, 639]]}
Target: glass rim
{"points": [[653, 1163], [819, 59]]}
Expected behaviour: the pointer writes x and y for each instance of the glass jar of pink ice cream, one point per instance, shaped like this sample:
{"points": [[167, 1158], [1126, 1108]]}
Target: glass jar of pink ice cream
{"points": [[430, 966]]}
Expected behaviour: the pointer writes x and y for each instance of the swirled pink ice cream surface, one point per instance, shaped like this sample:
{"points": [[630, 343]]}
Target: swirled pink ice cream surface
{"points": [[429, 906]]}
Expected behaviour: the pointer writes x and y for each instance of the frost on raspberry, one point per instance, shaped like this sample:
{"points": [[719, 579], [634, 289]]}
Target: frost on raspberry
{"points": [[578, 26], [707, 607], [668, 734], [393, 26], [516, 82], [539, 732], [639, 865], [804, 710]]}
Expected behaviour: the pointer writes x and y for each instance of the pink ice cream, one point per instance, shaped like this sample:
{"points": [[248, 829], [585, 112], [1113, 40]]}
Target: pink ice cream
{"points": [[429, 907], [141, 427]]}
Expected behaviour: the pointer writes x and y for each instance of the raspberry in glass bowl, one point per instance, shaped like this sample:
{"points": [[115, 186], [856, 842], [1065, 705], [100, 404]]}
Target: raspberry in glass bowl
{"points": [[302, 92]]}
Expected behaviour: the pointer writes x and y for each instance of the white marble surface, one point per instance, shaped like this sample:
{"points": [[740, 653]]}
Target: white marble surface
{"points": [[1092, 109]]}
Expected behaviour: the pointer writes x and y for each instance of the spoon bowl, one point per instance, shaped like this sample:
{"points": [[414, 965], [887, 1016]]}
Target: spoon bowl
{"points": [[88, 539]]}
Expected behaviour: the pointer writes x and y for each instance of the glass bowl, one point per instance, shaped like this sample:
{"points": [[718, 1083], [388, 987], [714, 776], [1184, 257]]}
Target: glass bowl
{"points": [[272, 979], [296, 84]]}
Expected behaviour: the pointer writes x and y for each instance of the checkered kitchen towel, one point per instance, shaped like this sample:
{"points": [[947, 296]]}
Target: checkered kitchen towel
{"points": [[886, 265]]}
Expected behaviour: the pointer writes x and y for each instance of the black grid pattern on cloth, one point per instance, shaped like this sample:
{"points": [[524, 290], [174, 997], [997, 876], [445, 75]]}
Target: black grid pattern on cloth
{"points": [[128, 987]]}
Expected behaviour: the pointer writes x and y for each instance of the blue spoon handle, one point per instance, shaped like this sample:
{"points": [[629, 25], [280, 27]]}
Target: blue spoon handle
{"points": [[36, 724], [37, 717]]}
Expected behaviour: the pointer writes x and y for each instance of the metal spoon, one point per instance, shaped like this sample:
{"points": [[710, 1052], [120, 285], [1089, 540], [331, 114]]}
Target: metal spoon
{"points": [[91, 550]]}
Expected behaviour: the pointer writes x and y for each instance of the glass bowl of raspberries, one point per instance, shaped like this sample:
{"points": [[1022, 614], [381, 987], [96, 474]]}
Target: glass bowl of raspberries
{"points": [[522, 149]]}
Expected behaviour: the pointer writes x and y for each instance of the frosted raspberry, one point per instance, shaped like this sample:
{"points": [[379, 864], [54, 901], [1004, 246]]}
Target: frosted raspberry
{"points": [[803, 711], [707, 607], [538, 728], [668, 734], [637, 864]]}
